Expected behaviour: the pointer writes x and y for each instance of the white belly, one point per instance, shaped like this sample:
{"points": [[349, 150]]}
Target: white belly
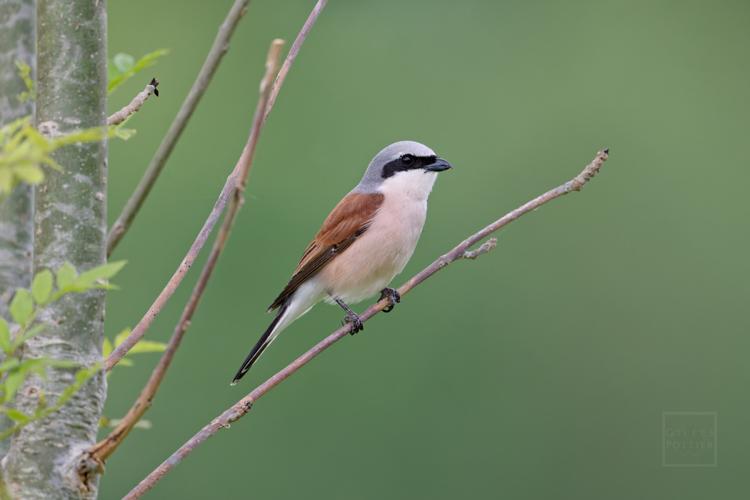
{"points": [[371, 262]]}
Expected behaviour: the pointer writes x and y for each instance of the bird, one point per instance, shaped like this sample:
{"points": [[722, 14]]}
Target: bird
{"points": [[365, 241]]}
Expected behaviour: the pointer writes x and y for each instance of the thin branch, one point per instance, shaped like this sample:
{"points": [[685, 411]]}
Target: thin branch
{"points": [[104, 449], [133, 106], [243, 406], [213, 216], [235, 181], [485, 247], [293, 51], [206, 73]]}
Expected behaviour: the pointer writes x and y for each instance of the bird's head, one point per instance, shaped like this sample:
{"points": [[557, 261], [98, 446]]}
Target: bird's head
{"points": [[406, 166]]}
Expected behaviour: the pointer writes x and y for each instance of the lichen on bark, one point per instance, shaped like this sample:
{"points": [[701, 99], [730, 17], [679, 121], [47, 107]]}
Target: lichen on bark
{"points": [[69, 225]]}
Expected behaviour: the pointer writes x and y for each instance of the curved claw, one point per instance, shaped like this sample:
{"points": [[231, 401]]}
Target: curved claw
{"points": [[355, 322], [392, 295]]}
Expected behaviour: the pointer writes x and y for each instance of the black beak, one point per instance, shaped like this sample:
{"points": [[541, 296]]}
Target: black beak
{"points": [[438, 165]]}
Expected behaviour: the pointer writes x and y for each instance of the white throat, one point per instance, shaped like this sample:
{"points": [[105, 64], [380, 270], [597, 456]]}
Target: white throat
{"points": [[412, 184]]}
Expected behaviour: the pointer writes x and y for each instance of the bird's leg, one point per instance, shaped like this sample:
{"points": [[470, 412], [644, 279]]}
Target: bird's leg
{"points": [[351, 317], [392, 295]]}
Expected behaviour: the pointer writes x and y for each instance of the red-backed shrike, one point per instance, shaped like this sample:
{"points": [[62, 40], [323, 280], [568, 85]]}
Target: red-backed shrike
{"points": [[365, 241]]}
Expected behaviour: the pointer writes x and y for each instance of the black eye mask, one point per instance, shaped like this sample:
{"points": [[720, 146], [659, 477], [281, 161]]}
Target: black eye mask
{"points": [[406, 162]]}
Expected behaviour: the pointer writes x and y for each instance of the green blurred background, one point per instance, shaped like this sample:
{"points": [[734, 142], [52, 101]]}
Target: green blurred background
{"points": [[541, 370]]}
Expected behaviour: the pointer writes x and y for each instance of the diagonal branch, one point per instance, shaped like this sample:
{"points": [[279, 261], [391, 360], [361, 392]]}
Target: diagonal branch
{"points": [[234, 184], [206, 73], [200, 240], [293, 51], [460, 251], [104, 449], [133, 106]]}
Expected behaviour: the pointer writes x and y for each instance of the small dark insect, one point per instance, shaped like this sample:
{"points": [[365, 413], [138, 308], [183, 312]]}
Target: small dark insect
{"points": [[155, 83]]}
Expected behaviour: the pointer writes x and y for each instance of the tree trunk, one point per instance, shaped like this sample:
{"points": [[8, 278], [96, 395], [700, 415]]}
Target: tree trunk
{"points": [[16, 44], [69, 225]]}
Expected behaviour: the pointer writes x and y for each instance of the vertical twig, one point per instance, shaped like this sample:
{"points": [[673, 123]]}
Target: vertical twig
{"points": [[108, 445], [293, 52], [104, 449], [140, 329], [206, 73]]}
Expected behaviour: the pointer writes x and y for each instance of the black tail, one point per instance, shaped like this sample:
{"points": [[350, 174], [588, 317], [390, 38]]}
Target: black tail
{"points": [[259, 347]]}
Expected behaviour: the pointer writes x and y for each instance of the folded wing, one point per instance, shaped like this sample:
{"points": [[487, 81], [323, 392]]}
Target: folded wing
{"points": [[347, 222]]}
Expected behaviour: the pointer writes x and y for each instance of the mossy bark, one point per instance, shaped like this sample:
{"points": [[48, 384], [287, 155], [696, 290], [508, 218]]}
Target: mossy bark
{"points": [[16, 44], [69, 225]]}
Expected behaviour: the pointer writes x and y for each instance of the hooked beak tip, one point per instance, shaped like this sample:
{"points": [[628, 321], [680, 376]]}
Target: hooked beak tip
{"points": [[438, 165]]}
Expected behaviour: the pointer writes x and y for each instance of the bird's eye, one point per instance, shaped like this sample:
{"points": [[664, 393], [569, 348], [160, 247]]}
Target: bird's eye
{"points": [[407, 159]]}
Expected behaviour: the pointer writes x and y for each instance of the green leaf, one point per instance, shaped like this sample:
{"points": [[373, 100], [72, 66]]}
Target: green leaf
{"points": [[29, 173], [103, 272], [9, 364], [24, 71], [17, 416], [24, 151], [61, 363], [147, 346], [12, 382], [123, 62], [41, 287], [7, 180], [4, 336], [66, 275], [122, 133], [13, 127], [68, 281], [141, 424], [24, 336], [93, 134], [35, 365], [127, 362], [22, 306], [120, 337], [123, 72], [51, 163]]}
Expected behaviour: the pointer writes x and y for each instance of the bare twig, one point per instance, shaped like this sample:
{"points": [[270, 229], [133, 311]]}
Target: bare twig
{"points": [[243, 406], [235, 183], [293, 51], [208, 226], [485, 247], [133, 106], [206, 73], [102, 450]]}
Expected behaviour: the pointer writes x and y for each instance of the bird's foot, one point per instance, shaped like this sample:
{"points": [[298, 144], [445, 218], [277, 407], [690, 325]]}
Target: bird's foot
{"points": [[354, 321], [393, 297]]}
